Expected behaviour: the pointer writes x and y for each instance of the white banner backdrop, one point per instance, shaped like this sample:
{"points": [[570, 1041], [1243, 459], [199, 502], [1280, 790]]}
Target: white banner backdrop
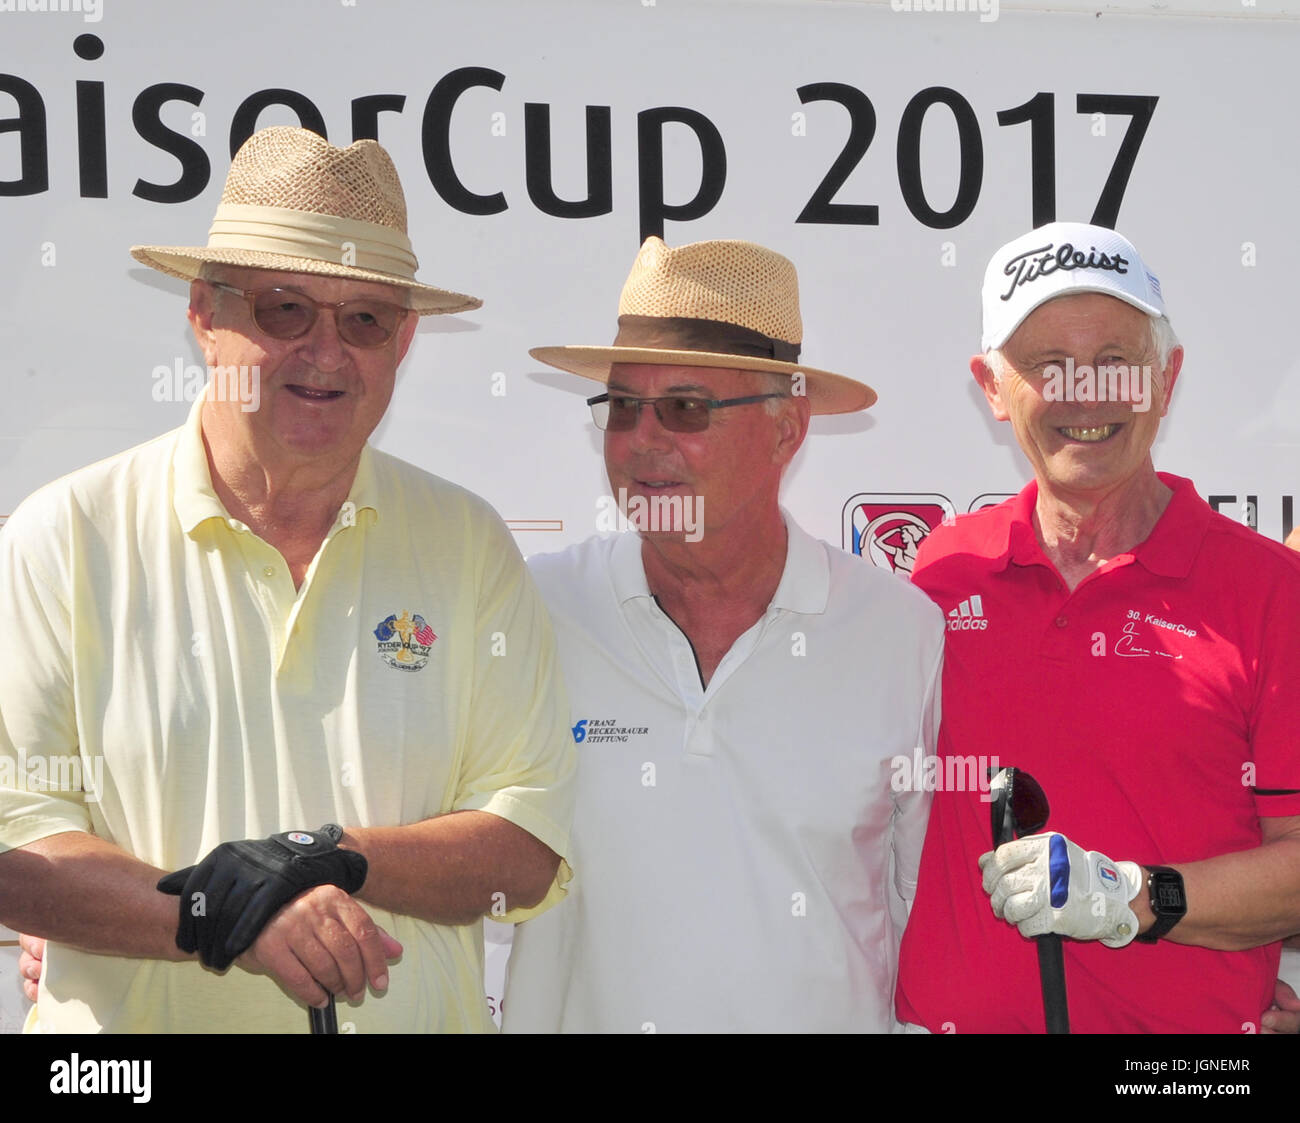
{"points": [[885, 149]]}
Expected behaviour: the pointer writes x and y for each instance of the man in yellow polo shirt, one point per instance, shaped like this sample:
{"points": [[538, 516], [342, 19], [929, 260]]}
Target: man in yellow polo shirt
{"points": [[257, 624]]}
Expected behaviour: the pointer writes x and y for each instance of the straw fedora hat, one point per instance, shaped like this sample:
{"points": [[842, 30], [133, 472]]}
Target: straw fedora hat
{"points": [[712, 304], [294, 202]]}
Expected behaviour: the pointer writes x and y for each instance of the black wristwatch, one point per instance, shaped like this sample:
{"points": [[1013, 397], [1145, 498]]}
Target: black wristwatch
{"points": [[1168, 901]]}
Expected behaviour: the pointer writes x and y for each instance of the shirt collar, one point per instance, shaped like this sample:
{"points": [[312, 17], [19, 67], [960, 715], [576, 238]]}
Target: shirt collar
{"points": [[1021, 545], [195, 500], [1169, 550], [805, 581]]}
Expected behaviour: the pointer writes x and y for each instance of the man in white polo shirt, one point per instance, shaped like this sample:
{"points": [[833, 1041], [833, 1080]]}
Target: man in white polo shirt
{"points": [[257, 624], [746, 698]]}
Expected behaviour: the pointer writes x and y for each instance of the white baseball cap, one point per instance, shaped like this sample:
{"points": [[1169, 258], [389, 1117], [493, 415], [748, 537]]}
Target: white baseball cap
{"points": [[1056, 260]]}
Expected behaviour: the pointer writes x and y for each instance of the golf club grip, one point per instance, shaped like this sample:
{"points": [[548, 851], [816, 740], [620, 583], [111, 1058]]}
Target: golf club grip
{"points": [[1051, 974], [324, 1021]]}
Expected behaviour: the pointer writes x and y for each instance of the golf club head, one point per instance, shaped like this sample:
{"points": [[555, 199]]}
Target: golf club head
{"points": [[1018, 807], [1001, 784], [1029, 806]]}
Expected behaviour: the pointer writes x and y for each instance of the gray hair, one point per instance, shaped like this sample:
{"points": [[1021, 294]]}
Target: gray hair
{"points": [[773, 382], [209, 270], [209, 274]]}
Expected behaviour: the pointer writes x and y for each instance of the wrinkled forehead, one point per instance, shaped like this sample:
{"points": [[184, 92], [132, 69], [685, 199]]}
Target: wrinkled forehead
{"points": [[1068, 320]]}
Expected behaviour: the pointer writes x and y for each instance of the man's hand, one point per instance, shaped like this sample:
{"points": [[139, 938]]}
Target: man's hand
{"points": [[1284, 1015], [1045, 883], [30, 963], [323, 941], [230, 896], [323, 935]]}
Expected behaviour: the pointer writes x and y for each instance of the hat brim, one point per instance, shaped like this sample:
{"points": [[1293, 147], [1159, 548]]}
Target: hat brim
{"points": [[827, 392], [186, 262], [1080, 288]]}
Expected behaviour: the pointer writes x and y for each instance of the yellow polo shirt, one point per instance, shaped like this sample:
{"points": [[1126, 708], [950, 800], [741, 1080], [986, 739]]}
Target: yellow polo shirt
{"points": [[164, 686]]}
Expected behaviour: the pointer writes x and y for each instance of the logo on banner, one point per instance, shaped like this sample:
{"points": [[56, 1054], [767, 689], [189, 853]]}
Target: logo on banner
{"points": [[988, 499], [404, 641], [887, 530]]}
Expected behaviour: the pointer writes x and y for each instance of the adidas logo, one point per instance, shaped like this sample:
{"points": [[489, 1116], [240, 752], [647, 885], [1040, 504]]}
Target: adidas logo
{"points": [[968, 616]]}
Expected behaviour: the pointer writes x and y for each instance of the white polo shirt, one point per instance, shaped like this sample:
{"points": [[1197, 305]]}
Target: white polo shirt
{"points": [[737, 848], [162, 646]]}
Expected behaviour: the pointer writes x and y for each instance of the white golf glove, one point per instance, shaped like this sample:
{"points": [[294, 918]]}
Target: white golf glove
{"points": [[1045, 883]]}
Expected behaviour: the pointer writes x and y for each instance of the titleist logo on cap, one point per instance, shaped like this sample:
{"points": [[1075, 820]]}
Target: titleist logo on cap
{"points": [[1043, 262]]}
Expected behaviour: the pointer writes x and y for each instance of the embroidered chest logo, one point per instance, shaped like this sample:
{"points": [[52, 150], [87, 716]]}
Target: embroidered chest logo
{"points": [[968, 616], [592, 729], [404, 641], [1134, 643]]}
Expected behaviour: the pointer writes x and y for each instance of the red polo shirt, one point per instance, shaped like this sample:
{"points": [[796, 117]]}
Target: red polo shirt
{"points": [[1157, 704]]}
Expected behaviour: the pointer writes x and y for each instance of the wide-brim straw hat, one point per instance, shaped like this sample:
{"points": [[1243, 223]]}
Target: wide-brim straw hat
{"points": [[725, 304], [295, 203]]}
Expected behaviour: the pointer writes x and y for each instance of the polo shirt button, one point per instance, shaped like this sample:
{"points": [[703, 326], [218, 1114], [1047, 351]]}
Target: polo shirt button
{"points": [[1061, 621], [268, 571]]}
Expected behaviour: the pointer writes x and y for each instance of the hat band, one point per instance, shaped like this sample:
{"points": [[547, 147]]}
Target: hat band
{"points": [[687, 333], [317, 237]]}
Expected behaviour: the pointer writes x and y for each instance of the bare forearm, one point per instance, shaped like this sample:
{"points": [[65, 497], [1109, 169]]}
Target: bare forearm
{"points": [[1237, 901], [79, 890], [450, 869]]}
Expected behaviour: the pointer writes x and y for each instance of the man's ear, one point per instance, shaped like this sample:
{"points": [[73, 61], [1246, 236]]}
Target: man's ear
{"points": [[988, 382], [202, 298], [1172, 367], [792, 427]]}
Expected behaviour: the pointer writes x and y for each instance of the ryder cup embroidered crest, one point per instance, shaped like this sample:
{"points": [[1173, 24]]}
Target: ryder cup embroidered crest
{"points": [[404, 641]]}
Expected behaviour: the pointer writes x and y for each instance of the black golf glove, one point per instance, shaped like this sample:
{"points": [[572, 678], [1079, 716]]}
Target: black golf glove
{"points": [[229, 897]]}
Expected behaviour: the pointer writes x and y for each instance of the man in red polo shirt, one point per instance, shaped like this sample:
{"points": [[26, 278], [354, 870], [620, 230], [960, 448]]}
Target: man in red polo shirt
{"points": [[1133, 651]]}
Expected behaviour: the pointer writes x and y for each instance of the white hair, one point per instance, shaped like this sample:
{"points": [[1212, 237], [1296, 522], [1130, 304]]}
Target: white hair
{"points": [[1163, 339]]}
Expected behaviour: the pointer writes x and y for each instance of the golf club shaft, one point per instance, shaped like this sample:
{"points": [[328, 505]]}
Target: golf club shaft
{"points": [[324, 1021], [1051, 974]]}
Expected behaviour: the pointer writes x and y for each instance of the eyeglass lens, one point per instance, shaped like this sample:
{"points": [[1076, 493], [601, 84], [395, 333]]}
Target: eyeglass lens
{"points": [[678, 415], [285, 314]]}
